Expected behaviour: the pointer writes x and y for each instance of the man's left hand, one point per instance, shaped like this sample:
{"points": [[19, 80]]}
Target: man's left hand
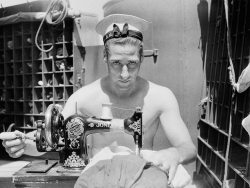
{"points": [[167, 160]]}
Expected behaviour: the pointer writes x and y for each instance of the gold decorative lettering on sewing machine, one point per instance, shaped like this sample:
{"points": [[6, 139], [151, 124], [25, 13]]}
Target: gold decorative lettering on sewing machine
{"points": [[69, 136]]}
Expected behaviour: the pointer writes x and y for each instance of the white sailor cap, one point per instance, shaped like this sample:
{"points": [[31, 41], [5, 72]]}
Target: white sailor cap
{"points": [[122, 25]]}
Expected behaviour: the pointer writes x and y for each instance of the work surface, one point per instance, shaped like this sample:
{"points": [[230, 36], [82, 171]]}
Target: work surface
{"points": [[13, 173]]}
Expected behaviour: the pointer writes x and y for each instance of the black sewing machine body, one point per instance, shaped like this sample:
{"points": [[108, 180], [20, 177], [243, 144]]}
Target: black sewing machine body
{"points": [[69, 136]]}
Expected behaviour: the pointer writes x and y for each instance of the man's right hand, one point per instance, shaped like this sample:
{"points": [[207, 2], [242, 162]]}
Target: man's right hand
{"points": [[14, 143]]}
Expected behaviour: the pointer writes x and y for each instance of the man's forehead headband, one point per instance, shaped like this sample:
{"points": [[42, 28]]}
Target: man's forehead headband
{"points": [[117, 33]]}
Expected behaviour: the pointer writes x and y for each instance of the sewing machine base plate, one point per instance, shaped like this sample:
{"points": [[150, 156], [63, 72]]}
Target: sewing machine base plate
{"points": [[62, 169], [52, 178], [40, 166]]}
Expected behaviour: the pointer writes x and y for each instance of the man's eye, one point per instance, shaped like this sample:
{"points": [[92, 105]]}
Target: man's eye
{"points": [[116, 63], [132, 64]]}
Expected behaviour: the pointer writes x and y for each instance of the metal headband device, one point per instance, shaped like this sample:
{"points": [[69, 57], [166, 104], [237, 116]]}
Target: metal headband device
{"points": [[116, 33]]}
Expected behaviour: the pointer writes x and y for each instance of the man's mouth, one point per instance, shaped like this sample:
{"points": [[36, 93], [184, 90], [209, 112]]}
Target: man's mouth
{"points": [[124, 81]]}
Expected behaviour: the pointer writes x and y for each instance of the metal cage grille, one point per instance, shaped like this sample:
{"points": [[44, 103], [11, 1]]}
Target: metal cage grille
{"points": [[214, 124]]}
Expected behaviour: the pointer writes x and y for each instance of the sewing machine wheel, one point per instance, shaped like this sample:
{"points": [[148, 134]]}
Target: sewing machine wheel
{"points": [[53, 124]]}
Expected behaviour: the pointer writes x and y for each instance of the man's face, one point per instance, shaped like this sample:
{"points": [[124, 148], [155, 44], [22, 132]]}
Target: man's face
{"points": [[123, 66]]}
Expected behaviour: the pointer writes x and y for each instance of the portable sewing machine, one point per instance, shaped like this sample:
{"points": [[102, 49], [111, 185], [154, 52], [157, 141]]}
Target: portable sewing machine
{"points": [[69, 136]]}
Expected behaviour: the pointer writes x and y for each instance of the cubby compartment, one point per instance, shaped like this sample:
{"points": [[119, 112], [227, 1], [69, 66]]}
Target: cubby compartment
{"points": [[18, 41], [9, 43], [10, 107], [1, 45], [38, 94], [27, 80], [68, 91], [8, 56], [27, 40], [2, 56], [213, 138], [48, 79], [48, 94], [203, 130], [222, 144], [19, 119], [27, 53], [28, 107], [19, 94], [225, 114], [37, 67], [19, 107], [59, 79], [28, 94], [9, 94], [238, 157], [59, 65], [2, 81], [38, 80], [27, 67], [9, 67], [47, 37], [69, 64], [68, 50], [219, 169], [2, 109], [29, 121], [36, 53], [3, 95], [19, 81], [60, 51], [48, 66], [18, 68], [38, 107], [9, 81], [240, 182], [59, 93], [69, 79]]}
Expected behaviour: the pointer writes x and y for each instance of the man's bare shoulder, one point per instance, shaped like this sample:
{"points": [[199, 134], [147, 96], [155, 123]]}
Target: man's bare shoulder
{"points": [[158, 90], [160, 97], [87, 90]]}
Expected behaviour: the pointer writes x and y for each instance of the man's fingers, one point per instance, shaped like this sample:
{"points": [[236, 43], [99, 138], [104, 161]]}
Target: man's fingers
{"points": [[171, 173], [14, 149], [7, 135], [17, 154], [11, 143]]}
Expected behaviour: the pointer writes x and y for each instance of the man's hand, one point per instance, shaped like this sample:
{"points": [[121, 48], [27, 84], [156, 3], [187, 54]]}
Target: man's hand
{"points": [[14, 143], [167, 160]]}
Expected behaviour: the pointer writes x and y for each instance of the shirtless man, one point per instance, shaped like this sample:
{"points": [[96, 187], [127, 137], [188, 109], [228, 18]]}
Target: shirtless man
{"points": [[123, 88]]}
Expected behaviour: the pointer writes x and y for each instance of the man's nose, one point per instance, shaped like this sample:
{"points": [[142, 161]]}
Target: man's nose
{"points": [[124, 73]]}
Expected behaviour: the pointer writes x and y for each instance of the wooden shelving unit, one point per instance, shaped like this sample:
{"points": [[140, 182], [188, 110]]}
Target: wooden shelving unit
{"points": [[30, 80], [214, 123]]}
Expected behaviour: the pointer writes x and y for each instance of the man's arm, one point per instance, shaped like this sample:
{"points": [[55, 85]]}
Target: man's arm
{"points": [[16, 146], [183, 149]]}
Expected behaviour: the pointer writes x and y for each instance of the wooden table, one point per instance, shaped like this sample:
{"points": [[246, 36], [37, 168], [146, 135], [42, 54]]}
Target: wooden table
{"points": [[14, 174]]}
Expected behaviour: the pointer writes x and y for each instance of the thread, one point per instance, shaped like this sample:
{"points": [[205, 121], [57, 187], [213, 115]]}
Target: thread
{"points": [[106, 111]]}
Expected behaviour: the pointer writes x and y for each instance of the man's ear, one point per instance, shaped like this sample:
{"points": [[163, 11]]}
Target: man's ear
{"points": [[142, 58], [105, 59]]}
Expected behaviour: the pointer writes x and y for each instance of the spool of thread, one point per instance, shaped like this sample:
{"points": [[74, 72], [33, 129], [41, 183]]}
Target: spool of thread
{"points": [[106, 111]]}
